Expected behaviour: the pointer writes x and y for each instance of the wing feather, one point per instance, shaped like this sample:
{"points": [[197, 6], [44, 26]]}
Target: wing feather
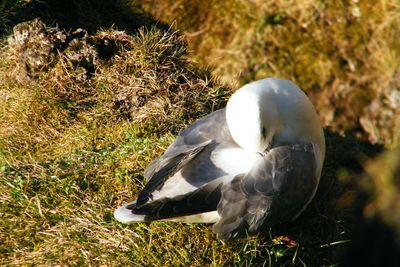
{"points": [[203, 199], [166, 168], [276, 190], [211, 127], [208, 131]]}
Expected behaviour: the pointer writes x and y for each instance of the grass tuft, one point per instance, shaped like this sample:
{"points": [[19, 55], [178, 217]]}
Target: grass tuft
{"points": [[91, 83]]}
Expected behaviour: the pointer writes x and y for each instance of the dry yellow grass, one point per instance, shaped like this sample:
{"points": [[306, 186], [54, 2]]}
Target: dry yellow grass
{"points": [[147, 81], [344, 54]]}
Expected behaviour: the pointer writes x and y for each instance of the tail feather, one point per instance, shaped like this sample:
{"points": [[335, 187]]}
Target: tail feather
{"points": [[125, 215]]}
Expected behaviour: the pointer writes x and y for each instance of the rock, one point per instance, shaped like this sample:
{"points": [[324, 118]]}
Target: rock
{"points": [[35, 46], [38, 48], [381, 118]]}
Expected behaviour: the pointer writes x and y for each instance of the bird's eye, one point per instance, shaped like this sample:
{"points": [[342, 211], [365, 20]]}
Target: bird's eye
{"points": [[264, 132]]}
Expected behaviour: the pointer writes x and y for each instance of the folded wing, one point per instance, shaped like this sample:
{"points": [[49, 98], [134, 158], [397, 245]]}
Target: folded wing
{"points": [[183, 181], [276, 190]]}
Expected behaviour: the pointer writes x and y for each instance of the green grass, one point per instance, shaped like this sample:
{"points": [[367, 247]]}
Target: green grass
{"points": [[59, 210]]}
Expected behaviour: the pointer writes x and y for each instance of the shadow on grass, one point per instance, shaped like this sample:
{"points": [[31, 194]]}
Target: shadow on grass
{"points": [[91, 15], [322, 234]]}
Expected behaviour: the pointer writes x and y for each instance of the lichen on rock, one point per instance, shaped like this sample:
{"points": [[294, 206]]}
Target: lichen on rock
{"points": [[35, 46]]}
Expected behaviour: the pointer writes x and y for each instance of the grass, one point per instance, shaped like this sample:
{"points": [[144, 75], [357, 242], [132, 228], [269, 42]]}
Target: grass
{"points": [[344, 54], [78, 129], [59, 211]]}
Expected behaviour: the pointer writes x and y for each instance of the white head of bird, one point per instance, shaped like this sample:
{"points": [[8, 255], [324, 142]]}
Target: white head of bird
{"points": [[272, 110]]}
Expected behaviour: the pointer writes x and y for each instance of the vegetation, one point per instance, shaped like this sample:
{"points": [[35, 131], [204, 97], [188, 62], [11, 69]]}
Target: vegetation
{"points": [[344, 54], [83, 111]]}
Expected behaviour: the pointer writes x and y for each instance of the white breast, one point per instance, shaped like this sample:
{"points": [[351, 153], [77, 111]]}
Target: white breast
{"points": [[235, 160]]}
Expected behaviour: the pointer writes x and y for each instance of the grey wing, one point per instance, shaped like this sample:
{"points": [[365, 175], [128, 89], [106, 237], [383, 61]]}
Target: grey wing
{"points": [[276, 190], [203, 199], [168, 166], [181, 154], [206, 132], [211, 127]]}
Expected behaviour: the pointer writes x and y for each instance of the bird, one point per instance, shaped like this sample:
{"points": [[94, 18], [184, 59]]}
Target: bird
{"points": [[252, 165]]}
